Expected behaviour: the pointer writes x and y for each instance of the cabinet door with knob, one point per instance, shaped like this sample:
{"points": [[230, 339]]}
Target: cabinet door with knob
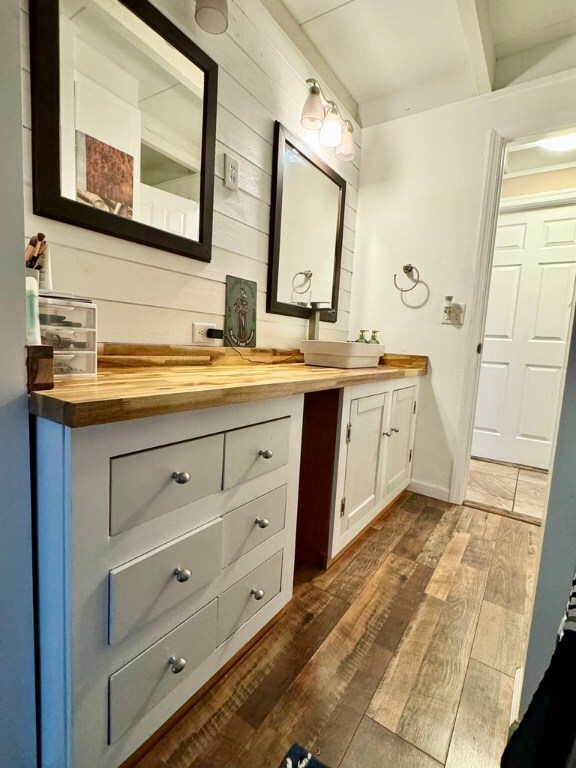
{"points": [[400, 436], [363, 457]]}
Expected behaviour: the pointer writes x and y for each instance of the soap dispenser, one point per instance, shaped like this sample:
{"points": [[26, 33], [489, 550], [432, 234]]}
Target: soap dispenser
{"points": [[362, 338], [374, 338]]}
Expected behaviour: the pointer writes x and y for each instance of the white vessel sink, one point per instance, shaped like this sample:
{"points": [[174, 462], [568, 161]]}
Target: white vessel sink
{"points": [[341, 354]]}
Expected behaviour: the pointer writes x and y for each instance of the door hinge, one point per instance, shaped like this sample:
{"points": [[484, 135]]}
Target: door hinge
{"points": [[410, 455], [343, 506], [479, 348], [414, 409], [348, 432]]}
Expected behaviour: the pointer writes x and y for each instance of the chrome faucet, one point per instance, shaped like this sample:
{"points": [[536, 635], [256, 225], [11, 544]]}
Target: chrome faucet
{"points": [[314, 320]]}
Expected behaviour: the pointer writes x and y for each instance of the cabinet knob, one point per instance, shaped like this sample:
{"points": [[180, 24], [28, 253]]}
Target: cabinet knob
{"points": [[261, 522], [258, 593], [182, 574], [387, 434], [181, 477], [395, 429], [176, 664], [267, 454]]}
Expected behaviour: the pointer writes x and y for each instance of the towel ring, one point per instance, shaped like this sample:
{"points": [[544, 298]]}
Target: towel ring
{"points": [[408, 270]]}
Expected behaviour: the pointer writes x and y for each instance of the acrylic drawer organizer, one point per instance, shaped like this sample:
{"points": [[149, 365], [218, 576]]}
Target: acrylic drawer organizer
{"points": [[69, 326]]}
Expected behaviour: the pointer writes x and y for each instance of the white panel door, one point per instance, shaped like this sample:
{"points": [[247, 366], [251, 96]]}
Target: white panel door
{"points": [[400, 439], [527, 329], [362, 457]]}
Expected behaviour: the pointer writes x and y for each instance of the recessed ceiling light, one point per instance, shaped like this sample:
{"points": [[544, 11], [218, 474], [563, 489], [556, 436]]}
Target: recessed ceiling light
{"points": [[559, 143]]}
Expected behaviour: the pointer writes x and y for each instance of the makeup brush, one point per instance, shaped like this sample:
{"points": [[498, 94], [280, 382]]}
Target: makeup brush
{"points": [[30, 248]]}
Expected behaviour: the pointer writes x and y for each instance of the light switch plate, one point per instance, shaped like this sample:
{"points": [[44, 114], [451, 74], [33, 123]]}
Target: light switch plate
{"points": [[230, 172]]}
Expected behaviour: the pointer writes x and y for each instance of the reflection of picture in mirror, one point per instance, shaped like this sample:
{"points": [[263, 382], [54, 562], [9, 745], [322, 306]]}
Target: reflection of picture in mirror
{"points": [[135, 104], [104, 176]]}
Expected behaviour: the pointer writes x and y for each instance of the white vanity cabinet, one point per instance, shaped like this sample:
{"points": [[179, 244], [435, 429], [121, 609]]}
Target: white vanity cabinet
{"points": [[164, 545], [357, 452]]}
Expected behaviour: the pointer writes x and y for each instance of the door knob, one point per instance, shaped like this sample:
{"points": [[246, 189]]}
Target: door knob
{"points": [[176, 664], [267, 454], [181, 477], [395, 429], [261, 522], [182, 574], [387, 434], [258, 593]]}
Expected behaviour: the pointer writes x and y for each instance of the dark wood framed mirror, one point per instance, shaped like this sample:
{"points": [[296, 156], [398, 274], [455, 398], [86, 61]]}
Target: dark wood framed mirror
{"points": [[123, 123], [306, 229]]}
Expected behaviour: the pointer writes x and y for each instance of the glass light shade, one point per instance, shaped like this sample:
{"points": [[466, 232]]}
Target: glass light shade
{"points": [[212, 15], [313, 110], [331, 131], [346, 149], [559, 143]]}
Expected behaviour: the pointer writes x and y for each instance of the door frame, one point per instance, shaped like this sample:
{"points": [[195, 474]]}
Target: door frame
{"points": [[491, 209]]}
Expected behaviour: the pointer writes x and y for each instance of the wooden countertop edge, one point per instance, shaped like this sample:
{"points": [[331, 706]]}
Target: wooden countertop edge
{"points": [[106, 410]]}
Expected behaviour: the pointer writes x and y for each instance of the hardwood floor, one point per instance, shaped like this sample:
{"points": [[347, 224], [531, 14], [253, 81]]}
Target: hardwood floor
{"points": [[507, 489], [401, 655]]}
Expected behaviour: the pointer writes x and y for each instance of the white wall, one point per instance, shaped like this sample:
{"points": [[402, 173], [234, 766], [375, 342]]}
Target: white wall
{"points": [[17, 708], [147, 295], [421, 195]]}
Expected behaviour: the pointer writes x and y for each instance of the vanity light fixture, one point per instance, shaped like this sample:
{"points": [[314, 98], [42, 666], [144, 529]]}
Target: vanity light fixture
{"points": [[212, 15], [318, 113]]}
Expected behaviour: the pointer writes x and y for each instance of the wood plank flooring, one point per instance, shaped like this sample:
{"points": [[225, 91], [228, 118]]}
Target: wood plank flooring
{"points": [[511, 491], [403, 654]]}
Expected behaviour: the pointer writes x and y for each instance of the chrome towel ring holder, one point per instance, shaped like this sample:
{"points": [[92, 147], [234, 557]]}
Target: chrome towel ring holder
{"points": [[409, 270]]}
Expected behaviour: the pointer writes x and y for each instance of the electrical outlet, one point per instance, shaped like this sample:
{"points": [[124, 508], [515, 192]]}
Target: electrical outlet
{"points": [[230, 172], [199, 333]]}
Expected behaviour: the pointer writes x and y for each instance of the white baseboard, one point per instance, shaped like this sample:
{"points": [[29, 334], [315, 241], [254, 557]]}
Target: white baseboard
{"points": [[427, 489], [515, 708]]}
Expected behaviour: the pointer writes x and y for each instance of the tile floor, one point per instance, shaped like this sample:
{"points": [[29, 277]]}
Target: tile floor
{"points": [[513, 492]]}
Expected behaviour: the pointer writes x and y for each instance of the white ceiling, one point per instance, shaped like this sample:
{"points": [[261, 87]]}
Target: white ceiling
{"points": [[401, 56]]}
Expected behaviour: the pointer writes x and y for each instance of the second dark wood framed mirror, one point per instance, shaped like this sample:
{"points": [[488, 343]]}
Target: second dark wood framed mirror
{"points": [[306, 229], [123, 123]]}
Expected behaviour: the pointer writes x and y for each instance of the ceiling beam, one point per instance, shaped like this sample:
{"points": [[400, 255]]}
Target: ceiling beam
{"points": [[475, 23]]}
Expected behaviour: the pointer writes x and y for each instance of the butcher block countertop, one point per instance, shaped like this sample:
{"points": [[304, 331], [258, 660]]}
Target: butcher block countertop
{"points": [[141, 382]]}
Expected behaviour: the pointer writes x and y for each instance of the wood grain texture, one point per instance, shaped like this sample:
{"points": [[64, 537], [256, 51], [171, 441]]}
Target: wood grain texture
{"points": [[499, 641], [507, 579], [120, 396], [389, 701], [481, 729], [441, 582], [434, 667], [376, 747], [304, 711], [428, 719], [413, 541]]}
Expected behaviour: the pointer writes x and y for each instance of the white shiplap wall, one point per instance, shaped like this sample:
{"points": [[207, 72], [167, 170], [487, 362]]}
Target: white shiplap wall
{"points": [[148, 295]]}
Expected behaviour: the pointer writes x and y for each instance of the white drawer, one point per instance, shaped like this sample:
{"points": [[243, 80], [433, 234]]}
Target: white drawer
{"points": [[142, 485], [240, 602], [138, 686], [251, 524], [144, 588], [253, 451]]}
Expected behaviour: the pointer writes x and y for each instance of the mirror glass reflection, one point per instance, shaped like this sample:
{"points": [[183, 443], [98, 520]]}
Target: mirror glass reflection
{"points": [[309, 215], [131, 118]]}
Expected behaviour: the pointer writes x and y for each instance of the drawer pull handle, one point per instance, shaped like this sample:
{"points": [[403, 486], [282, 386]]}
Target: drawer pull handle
{"points": [[386, 434], [395, 429], [267, 454], [258, 593], [181, 477], [176, 665], [261, 522], [182, 574]]}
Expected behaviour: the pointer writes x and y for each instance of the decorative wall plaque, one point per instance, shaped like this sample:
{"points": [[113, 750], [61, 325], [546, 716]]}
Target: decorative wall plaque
{"points": [[240, 319]]}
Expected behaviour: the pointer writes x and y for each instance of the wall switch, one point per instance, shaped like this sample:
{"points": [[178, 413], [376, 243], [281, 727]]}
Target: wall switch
{"points": [[230, 172], [200, 333]]}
